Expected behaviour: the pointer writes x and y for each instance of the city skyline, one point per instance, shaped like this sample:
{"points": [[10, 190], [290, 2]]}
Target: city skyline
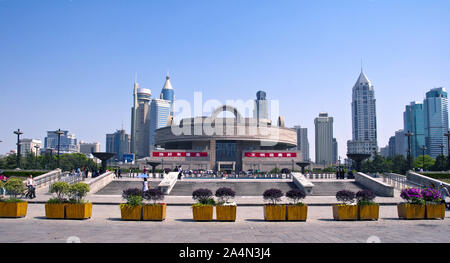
{"points": [[89, 94]]}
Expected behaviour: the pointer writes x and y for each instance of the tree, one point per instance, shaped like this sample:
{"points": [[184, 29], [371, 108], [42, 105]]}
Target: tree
{"points": [[420, 160], [440, 164]]}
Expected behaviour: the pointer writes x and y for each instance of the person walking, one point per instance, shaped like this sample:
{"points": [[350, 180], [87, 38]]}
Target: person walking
{"points": [[119, 173], [180, 172], [444, 193], [145, 185], [31, 187]]}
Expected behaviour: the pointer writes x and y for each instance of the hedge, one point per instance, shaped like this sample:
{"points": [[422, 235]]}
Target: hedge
{"points": [[22, 173], [437, 175]]}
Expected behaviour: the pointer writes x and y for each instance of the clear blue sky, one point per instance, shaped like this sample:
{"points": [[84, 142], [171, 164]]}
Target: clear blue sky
{"points": [[70, 64]]}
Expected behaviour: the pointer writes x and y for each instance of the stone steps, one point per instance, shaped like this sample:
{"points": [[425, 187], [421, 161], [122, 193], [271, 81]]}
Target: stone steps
{"points": [[330, 188]]}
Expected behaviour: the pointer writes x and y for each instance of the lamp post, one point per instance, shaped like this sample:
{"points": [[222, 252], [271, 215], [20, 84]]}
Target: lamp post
{"points": [[442, 149], [18, 133], [409, 134], [36, 153], [59, 133], [423, 157], [448, 149]]}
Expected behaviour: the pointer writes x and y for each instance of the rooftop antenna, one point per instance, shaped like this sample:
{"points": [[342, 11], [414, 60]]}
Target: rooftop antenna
{"points": [[135, 77], [361, 65]]}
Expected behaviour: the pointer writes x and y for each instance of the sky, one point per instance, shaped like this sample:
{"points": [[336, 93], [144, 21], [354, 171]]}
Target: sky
{"points": [[71, 64]]}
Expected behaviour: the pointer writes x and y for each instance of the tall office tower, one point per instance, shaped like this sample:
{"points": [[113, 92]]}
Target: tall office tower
{"points": [[302, 142], [167, 93], [392, 146], [401, 143], [140, 122], [118, 143], [68, 142], [335, 150], [364, 121], [384, 151], [413, 121], [324, 138], [88, 148], [261, 109], [160, 113], [28, 146], [436, 121]]}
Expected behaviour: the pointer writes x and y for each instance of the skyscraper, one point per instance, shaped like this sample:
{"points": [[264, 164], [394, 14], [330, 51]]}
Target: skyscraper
{"points": [[68, 142], [140, 122], [167, 93], [118, 143], [401, 143], [324, 138], [364, 122], [261, 109], [436, 121], [413, 121], [335, 150], [302, 142], [160, 112]]}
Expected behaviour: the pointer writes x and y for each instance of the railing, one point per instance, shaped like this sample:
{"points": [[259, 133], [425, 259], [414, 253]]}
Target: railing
{"points": [[237, 176], [70, 179], [45, 179], [399, 181], [320, 176]]}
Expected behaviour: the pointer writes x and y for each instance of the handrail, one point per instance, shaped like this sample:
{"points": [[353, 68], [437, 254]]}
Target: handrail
{"points": [[399, 181]]}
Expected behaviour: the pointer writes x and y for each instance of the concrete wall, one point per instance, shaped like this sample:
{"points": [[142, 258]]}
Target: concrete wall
{"points": [[424, 180], [301, 182], [99, 182], [47, 179], [379, 188], [168, 182]]}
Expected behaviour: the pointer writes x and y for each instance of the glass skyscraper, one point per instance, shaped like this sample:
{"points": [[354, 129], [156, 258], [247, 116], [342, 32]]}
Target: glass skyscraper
{"points": [[436, 121], [160, 112], [68, 142], [167, 93], [118, 143], [413, 121]]}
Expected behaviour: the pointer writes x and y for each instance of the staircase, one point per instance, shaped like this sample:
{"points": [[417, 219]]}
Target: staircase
{"points": [[329, 188]]}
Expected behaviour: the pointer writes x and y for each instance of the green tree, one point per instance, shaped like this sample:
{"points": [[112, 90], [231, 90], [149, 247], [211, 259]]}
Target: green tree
{"points": [[399, 164], [440, 164], [420, 160]]}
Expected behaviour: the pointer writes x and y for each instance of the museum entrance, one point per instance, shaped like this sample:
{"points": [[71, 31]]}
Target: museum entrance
{"points": [[226, 156]]}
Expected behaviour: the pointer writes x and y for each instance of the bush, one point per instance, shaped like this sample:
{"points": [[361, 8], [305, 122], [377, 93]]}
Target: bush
{"points": [[225, 194], [22, 173], [345, 196], [134, 196], [431, 195], [296, 195], [365, 197], [273, 194], [203, 196], [15, 187], [61, 189], [412, 196], [154, 195], [78, 191]]}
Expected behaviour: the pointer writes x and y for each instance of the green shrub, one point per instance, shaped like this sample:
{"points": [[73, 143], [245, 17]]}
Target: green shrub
{"points": [[61, 189], [22, 173], [15, 187], [437, 175], [77, 192]]}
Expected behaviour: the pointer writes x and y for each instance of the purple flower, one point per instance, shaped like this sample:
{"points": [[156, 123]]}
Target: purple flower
{"points": [[431, 195], [412, 195]]}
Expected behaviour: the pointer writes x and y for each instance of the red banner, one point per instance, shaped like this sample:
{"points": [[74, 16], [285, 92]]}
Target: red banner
{"points": [[179, 154], [271, 155]]}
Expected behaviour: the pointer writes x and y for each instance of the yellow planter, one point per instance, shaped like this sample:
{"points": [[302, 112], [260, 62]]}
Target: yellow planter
{"points": [[131, 212], [275, 212], [411, 211], [297, 212], [55, 211], [79, 211], [203, 213], [345, 212], [154, 212], [435, 211], [368, 212], [226, 212], [18, 209]]}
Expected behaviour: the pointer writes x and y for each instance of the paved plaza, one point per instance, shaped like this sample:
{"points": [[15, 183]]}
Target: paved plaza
{"points": [[106, 226]]}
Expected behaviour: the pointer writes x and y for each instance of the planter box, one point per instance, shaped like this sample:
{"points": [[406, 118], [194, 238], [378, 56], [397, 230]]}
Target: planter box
{"points": [[131, 212], [297, 212], [79, 211], [226, 212], [368, 212], [55, 211], [203, 213], [275, 212], [154, 212], [18, 209], [345, 212], [435, 211], [410, 211]]}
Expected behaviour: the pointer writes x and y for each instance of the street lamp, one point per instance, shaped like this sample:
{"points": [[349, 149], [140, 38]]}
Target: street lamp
{"points": [[36, 153], [448, 149], [423, 157], [59, 132], [18, 133], [409, 134], [442, 149]]}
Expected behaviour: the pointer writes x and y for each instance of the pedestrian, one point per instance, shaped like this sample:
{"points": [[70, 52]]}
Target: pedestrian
{"points": [[180, 171], [444, 193], [31, 187], [119, 173], [145, 185]]}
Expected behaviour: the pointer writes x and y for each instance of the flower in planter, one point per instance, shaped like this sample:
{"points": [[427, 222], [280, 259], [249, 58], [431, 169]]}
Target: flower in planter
{"points": [[203, 196], [295, 195], [412, 196], [346, 197], [273, 194], [134, 196], [154, 195], [431, 196], [224, 194], [365, 197]]}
